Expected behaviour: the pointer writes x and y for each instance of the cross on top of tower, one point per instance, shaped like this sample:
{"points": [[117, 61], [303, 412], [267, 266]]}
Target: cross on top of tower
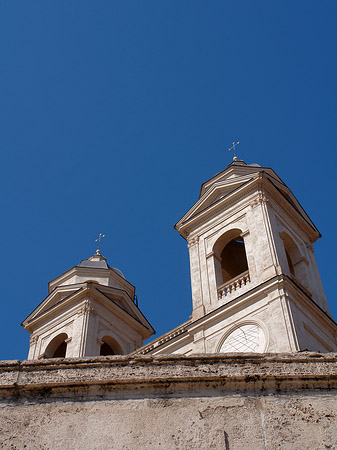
{"points": [[233, 148], [100, 237]]}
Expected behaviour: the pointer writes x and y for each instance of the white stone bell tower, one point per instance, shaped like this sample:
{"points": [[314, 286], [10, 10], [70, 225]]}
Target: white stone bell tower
{"points": [[255, 283], [90, 311]]}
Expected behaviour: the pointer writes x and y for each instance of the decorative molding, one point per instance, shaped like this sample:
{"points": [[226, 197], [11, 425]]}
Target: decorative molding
{"points": [[310, 247], [301, 259], [259, 200], [33, 339], [199, 218], [167, 337], [219, 230], [241, 323], [192, 241], [86, 308], [212, 254]]}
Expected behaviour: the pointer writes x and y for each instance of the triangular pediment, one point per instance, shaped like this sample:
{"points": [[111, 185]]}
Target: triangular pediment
{"points": [[121, 300], [234, 172], [125, 303], [232, 180], [69, 296], [58, 296], [218, 192]]}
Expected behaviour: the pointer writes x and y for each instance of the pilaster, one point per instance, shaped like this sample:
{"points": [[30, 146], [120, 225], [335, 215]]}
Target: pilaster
{"points": [[197, 297]]}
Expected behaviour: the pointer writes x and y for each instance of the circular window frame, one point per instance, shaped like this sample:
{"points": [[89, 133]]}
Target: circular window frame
{"points": [[232, 328]]}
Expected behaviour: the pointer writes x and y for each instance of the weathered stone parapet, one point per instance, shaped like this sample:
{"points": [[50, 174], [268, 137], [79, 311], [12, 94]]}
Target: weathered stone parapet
{"points": [[230, 372], [170, 402]]}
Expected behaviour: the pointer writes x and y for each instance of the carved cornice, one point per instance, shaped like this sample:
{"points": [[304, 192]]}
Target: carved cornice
{"points": [[214, 214], [258, 184], [224, 203]]}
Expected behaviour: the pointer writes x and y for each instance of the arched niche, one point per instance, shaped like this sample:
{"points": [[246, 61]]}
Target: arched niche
{"points": [[57, 347], [230, 256], [297, 263], [110, 346], [247, 336]]}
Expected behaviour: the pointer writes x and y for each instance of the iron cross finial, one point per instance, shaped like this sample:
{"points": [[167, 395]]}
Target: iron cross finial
{"points": [[100, 237], [233, 148]]}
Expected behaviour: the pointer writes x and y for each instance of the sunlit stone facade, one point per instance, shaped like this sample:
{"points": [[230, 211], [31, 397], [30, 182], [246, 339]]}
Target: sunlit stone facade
{"points": [[255, 281], [236, 375]]}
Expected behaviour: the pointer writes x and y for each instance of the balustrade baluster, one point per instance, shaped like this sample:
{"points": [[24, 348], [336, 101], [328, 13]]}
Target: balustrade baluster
{"points": [[233, 285]]}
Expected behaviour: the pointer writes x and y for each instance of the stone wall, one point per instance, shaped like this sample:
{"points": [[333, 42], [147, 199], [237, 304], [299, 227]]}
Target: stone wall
{"points": [[200, 402]]}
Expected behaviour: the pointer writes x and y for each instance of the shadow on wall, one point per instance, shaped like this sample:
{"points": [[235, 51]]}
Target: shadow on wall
{"points": [[230, 256], [57, 347]]}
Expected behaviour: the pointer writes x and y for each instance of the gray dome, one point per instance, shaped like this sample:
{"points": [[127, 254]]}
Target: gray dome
{"points": [[99, 262], [102, 264]]}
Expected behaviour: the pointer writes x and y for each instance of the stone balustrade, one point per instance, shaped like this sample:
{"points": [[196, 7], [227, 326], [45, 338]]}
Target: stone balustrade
{"points": [[159, 341], [233, 285]]}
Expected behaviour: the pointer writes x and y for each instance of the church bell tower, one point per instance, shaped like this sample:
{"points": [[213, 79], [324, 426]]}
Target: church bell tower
{"points": [[90, 311], [255, 282]]}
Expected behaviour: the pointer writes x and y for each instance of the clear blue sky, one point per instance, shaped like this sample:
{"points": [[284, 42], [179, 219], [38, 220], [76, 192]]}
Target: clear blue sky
{"points": [[113, 113]]}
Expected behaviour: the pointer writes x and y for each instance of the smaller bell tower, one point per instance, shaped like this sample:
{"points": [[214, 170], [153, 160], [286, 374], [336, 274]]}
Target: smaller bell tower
{"points": [[90, 310], [255, 282]]}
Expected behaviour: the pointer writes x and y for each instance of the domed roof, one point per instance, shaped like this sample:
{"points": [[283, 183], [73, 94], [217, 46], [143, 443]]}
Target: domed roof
{"points": [[99, 262]]}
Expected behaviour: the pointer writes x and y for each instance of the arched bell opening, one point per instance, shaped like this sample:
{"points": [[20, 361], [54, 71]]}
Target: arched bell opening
{"points": [[57, 347], [297, 264], [233, 259], [231, 265], [110, 346]]}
